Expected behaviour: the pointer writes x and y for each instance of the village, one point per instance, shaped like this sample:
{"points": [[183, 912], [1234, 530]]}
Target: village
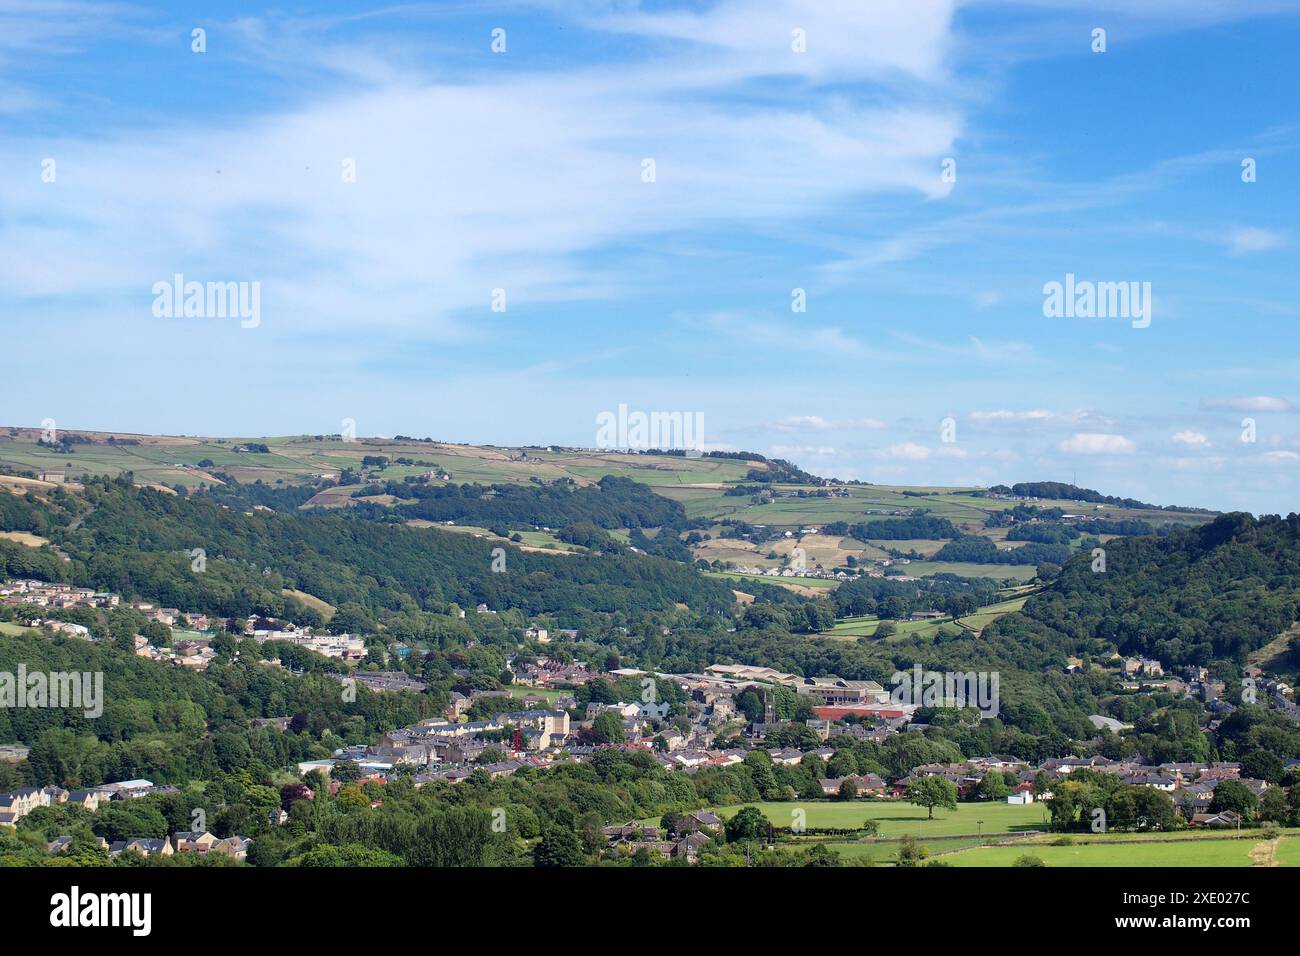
{"points": [[537, 723], [192, 632]]}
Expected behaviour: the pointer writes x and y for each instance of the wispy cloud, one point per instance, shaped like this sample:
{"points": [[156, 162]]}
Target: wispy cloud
{"points": [[1097, 443], [1250, 403], [817, 423]]}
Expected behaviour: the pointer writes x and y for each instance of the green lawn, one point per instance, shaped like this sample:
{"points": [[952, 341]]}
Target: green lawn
{"points": [[17, 630]]}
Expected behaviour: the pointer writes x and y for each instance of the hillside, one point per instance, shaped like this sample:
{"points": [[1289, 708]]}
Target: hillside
{"points": [[739, 513]]}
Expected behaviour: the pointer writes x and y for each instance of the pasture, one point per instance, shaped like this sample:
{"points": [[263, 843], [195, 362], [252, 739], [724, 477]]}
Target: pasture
{"points": [[898, 817]]}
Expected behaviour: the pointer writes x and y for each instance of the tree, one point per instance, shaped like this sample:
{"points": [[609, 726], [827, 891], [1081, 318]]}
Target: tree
{"points": [[931, 792], [821, 855], [910, 853], [993, 786], [748, 824], [1273, 806], [608, 728], [1235, 796], [345, 771], [157, 634], [848, 790], [558, 847], [1262, 765]]}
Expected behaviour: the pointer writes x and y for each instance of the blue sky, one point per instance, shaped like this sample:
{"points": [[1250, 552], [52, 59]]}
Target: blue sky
{"points": [[774, 170]]}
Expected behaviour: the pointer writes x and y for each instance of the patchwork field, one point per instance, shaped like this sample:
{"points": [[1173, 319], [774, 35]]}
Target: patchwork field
{"points": [[698, 484]]}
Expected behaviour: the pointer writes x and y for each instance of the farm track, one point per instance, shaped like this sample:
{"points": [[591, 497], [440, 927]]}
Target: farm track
{"points": [[1265, 853]]}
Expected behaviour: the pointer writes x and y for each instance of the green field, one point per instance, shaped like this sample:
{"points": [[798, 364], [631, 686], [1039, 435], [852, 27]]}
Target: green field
{"points": [[950, 836], [966, 569], [1146, 853], [855, 627], [897, 817], [851, 628], [785, 582], [990, 613], [886, 851], [17, 630]]}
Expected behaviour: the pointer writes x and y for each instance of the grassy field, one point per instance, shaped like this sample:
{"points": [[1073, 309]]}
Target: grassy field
{"points": [[950, 836], [990, 613], [966, 569], [1146, 853], [886, 851], [17, 630], [24, 538], [796, 583], [897, 817], [174, 459], [851, 628], [326, 609]]}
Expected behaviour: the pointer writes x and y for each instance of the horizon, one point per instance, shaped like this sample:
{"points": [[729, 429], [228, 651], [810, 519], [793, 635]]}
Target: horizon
{"points": [[380, 440], [842, 243]]}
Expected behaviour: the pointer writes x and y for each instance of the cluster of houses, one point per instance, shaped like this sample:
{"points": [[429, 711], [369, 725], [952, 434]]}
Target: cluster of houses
{"points": [[690, 833], [345, 647], [1190, 785], [19, 803], [202, 843], [194, 652], [791, 572], [451, 749], [54, 596], [545, 672]]}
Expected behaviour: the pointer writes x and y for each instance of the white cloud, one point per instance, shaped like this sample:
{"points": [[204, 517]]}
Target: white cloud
{"points": [[1280, 457], [1006, 415], [788, 451], [1195, 439], [908, 451], [845, 38], [1096, 443], [1252, 239], [500, 180], [1039, 416]]}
